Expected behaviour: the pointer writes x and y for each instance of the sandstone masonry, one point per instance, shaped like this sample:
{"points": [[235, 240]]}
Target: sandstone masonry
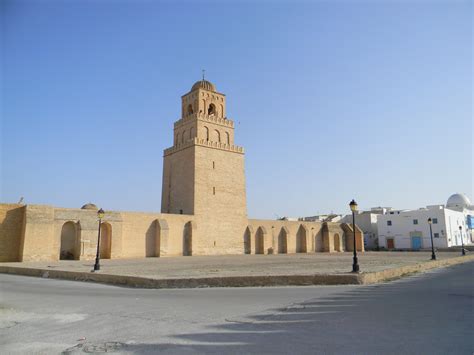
{"points": [[203, 207]]}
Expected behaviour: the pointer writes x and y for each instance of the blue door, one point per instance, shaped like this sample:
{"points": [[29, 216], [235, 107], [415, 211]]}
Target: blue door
{"points": [[416, 243]]}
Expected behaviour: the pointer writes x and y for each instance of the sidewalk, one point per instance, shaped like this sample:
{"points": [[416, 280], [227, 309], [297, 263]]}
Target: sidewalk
{"points": [[241, 270]]}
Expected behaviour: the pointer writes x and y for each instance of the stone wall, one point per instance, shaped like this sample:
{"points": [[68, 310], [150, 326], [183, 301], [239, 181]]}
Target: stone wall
{"points": [[11, 229], [46, 233], [178, 182], [152, 235], [281, 237], [220, 201], [38, 241]]}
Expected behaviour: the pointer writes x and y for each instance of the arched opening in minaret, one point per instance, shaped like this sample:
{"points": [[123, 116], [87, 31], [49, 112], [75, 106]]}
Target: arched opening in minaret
{"points": [[211, 110], [218, 136], [227, 137], [190, 109]]}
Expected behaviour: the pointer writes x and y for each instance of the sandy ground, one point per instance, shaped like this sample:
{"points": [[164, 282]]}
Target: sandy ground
{"points": [[241, 265]]}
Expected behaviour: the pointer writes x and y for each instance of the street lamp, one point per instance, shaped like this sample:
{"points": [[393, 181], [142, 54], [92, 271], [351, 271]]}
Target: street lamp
{"points": [[100, 214], [355, 264], [463, 252], [433, 255]]}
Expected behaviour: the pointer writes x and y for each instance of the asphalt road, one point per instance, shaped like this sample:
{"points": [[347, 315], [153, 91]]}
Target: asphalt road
{"points": [[431, 313]]}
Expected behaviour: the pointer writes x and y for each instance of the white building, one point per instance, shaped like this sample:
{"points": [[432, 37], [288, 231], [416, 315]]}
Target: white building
{"points": [[409, 229], [322, 218], [367, 222]]}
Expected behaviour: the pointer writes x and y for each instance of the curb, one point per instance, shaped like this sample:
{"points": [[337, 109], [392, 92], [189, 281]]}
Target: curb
{"points": [[238, 281], [390, 274]]}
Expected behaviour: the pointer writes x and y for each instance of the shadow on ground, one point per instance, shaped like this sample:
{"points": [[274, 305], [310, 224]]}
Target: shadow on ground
{"points": [[422, 314]]}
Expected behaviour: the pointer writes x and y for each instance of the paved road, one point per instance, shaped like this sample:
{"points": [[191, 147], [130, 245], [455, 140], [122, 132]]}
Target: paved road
{"points": [[423, 314]]}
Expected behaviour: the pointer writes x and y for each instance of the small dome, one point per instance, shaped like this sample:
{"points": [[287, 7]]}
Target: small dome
{"points": [[89, 206], [458, 200], [203, 84]]}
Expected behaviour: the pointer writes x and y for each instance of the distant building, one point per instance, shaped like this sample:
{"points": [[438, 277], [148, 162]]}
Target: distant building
{"points": [[288, 219], [367, 222], [409, 229], [322, 218]]}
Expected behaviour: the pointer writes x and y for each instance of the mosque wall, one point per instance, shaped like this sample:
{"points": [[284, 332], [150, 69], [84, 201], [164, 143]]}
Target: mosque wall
{"points": [[282, 237], [11, 228], [156, 234], [203, 207], [46, 233], [37, 242]]}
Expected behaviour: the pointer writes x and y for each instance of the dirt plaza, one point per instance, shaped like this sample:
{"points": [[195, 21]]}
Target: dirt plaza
{"points": [[243, 265]]}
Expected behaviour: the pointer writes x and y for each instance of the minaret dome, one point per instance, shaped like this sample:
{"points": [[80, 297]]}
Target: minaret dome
{"points": [[204, 84]]}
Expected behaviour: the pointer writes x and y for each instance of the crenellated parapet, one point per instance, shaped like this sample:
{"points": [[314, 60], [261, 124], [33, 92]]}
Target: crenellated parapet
{"points": [[204, 143], [205, 118], [222, 146]]}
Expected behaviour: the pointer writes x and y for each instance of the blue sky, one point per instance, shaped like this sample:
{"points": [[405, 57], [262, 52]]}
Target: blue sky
{"points": [[369, 100]]}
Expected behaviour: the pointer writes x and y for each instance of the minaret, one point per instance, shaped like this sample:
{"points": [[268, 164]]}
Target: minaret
{"points": [[203, 172]]}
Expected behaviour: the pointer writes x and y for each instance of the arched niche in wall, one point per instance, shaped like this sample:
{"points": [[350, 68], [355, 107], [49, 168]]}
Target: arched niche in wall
{"points": [[283, 240], [189, 229], [70, 244], [217, 136], [337, 242], [260, 237], [105, 240], [302, 239], [248, 240]]}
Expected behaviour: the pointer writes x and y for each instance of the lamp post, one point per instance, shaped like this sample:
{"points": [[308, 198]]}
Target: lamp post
{"points": [[463, 252], [433, 255], [100, 214], [355, 264]]}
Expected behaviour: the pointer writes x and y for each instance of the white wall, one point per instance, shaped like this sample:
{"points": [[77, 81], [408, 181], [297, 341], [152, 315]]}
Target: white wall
{"points": [[445, 231], [368, 223], [454, 219]]}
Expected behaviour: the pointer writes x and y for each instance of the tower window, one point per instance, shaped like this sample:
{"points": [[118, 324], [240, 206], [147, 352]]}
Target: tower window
{"points": [[214, 190], [190, 109], [213, 164], [211, 110]]}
